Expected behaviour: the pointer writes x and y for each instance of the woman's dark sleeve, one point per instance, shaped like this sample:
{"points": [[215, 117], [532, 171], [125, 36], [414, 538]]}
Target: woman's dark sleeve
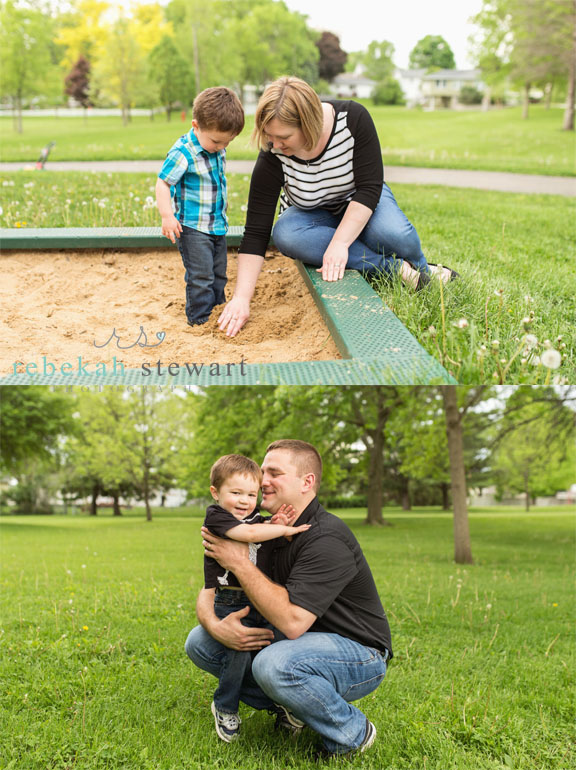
{"points": [[368, 167], [265, 185]]}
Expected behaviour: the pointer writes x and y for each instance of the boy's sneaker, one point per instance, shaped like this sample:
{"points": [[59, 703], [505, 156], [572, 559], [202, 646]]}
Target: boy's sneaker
{"points": [[369, 738], [285, 719], [227, 725]]}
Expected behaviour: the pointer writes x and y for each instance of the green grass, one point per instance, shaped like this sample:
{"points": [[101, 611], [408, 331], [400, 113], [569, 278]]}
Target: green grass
{"points": [[521, 245], [498, 140], [95, 613]]}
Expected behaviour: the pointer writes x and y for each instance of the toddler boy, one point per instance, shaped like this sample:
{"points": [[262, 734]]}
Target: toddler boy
{"points": [[194, 169], [235, 482]]}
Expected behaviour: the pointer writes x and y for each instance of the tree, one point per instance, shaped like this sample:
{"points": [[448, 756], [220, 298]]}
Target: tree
{"points": [[170, 73], [432, 52], [389, 91], [26, 66], [77, 82], [376, 60], [84, 32], [332, 58]]}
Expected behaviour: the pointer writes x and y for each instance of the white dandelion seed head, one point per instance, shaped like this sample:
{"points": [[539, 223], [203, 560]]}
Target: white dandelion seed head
{"points": [[462, 323], [551, 358], [530, 340]]}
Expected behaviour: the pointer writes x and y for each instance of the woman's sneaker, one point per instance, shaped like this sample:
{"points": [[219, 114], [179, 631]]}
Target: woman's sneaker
{"points": [[285, 719], [227, 725]]}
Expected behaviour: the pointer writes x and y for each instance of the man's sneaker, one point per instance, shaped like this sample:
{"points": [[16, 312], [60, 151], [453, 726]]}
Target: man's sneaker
{"points": [[286, 720], [227, 725], [369, 738]]}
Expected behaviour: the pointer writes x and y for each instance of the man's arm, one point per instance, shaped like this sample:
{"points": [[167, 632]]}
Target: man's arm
{"points": [[270, 599], [230, 632]]}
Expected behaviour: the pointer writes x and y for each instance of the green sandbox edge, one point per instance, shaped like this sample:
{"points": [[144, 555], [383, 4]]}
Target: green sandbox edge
{"points": [[376, 347]]}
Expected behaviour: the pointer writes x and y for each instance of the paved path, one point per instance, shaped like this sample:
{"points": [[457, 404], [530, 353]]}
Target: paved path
{"points": [[481, 180]]}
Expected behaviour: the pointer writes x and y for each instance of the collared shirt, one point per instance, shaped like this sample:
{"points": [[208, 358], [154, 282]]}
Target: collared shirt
{"points": [[198, 185], [326, 573]]}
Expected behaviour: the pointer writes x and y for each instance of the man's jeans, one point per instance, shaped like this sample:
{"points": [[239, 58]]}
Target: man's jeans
{"points": [[387, 238], [234, 665], [315, 676], [204, 257]]}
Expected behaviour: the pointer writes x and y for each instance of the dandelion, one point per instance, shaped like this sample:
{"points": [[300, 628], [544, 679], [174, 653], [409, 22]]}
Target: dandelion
{"points": [[495, 344], [530, 340], [488, 606], [462, 323], [432, 331], [551, 358], [84, 628], [102, 204], [83, 566], [498, 292], [554, 604], [243, 208], [557, 380]]}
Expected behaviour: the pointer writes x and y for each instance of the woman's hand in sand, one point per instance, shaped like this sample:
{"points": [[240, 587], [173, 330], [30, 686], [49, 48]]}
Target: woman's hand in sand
{"points": [[234, 316], [171, 228], [334, 262]]}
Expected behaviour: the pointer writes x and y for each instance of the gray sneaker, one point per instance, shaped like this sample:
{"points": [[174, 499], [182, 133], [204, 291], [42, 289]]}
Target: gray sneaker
{"points": [[286, 720], [369, 738], [227, 725]]}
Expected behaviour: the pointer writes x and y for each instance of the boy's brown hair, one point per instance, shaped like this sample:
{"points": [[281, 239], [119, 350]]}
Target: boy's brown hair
{"points": [[228, 465], [219, 109], [305, 457]]}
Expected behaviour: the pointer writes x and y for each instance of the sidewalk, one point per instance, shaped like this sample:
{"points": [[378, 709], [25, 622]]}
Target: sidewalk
{"points": [[481, 180]]}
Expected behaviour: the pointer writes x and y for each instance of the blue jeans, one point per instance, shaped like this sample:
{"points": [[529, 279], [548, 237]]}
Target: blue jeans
{"points": [[387, 238], [204, 258], [315, 676], [234, 665]]}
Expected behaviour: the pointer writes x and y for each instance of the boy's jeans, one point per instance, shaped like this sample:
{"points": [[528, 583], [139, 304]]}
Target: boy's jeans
{"points": [[204, 257], [315, 676], [234, 665], [387, 238]]}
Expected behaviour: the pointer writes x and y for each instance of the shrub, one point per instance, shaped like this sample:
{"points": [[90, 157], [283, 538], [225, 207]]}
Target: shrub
{"points": [[388, 92], [470, 95]]}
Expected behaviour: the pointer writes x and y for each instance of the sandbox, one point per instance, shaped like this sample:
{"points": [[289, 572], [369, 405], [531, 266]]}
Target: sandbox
{"points": [[110, 310]]}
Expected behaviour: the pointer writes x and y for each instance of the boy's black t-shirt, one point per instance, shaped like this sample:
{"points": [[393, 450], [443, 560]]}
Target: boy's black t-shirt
{"points": [[326, 573], [220, 522]]}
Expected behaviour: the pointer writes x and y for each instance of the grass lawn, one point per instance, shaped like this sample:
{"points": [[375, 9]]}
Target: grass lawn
{"points": [[498, 140], [520, 245], [95, 612]]}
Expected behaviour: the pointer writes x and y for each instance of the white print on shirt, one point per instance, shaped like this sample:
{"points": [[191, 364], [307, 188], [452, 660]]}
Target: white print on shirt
{"points": [[252, 555]]}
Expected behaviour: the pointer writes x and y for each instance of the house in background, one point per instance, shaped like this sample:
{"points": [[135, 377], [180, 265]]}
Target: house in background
{"points": [[430, 90]]}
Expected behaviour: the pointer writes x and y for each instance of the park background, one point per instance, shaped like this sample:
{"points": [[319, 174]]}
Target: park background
{"points": [[510, 321], [99, 584]]}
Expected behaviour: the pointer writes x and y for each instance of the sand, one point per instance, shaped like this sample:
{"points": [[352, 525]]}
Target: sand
{"points": [[57, 304]]}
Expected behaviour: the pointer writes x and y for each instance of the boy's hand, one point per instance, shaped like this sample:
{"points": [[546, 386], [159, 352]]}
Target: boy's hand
{"points": [[171, 228], [301, 528], [284, 515]]}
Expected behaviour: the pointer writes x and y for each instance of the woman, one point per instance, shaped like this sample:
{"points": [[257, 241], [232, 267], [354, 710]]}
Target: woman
{"points": [[324, 161]]}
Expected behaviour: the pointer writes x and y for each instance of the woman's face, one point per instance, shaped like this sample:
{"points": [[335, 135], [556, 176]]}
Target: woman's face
{"points": [[289, 140]]}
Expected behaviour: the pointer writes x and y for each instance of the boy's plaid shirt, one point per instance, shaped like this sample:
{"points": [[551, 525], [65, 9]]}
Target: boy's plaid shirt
{"points": [[198, 183]]}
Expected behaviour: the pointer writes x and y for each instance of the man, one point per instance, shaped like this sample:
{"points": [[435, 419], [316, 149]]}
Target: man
{"points": [[334, 634]]}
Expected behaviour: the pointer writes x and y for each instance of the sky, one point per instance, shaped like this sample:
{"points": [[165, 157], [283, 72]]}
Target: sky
{"points": [[401, 22]]}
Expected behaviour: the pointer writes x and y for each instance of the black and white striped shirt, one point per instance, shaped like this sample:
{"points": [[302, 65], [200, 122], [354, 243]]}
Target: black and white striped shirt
{"points": [[349, 169]]}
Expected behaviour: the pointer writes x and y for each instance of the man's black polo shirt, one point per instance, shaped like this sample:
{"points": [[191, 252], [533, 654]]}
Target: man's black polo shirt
{"points": [[325, 572]]}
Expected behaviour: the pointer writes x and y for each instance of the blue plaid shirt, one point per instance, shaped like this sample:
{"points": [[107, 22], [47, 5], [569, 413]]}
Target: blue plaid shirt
{"points": [[198, 185]]}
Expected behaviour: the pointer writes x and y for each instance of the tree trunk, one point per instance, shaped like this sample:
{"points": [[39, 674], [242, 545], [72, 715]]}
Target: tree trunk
{"points": [[445, 497], [568, 124], [375, 481], [116, 505], [526, 101], [406, 501], [548, 93], [93, 506], [486, 98], [526, 494], [462, 548]]}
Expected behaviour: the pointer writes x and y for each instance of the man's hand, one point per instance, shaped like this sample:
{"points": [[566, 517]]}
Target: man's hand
{"points": [[334, 262], [227, 553], [231, 633], [171, 228], [234, 316]]}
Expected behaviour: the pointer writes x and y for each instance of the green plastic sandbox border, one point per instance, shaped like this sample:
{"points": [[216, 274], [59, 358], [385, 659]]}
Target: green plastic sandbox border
{"points": [[375, 346]]}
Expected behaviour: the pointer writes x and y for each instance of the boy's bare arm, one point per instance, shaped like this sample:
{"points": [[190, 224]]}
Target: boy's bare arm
{"points": [[171, 227], [258, 533]]}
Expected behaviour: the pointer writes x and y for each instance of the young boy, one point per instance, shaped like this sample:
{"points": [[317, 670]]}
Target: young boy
{"points": [[235, 483], [194, 173]]}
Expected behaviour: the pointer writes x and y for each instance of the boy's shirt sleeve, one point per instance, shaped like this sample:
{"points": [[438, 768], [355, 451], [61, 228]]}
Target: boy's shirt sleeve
{"points": [[219, 521], [174, 167]]}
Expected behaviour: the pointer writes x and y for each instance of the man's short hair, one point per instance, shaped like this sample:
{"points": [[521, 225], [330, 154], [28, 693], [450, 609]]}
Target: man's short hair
{"points": [[305, 457], [219, 109], [228, 465]]}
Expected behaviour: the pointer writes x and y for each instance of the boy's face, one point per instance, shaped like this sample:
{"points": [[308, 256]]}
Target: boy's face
{"points": [[238, 495], [211, 139]]}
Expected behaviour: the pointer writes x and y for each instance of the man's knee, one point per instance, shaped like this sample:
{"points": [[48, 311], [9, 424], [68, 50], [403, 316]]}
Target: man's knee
{"points": [[195, 642]]}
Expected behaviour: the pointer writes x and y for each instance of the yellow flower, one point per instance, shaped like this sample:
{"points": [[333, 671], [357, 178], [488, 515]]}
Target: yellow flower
{"points": [[84, 628], [554, 604]]}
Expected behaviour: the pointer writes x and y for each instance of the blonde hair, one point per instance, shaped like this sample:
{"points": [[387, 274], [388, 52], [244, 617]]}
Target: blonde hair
{"points": [[227, 465], [293, 102], [305, 457], [219, 109]]}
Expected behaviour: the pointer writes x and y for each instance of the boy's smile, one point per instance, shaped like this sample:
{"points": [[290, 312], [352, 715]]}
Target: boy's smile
{"points": [[238, 495]]}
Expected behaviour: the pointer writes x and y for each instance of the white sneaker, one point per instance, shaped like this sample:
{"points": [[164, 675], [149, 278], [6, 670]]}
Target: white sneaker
{"points": [[227, 725]]}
